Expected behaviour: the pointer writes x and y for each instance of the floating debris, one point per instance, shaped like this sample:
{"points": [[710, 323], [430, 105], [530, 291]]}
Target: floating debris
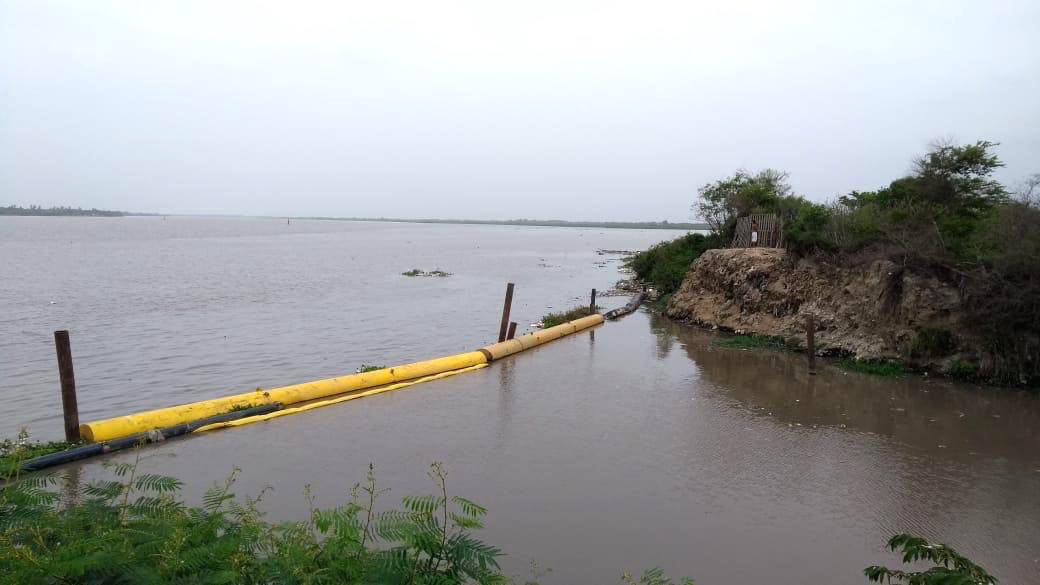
{"points": [[418, 272]]}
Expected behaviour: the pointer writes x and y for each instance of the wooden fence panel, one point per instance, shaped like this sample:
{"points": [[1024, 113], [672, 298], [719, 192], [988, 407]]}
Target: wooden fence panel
{"points": [[770, 231]]}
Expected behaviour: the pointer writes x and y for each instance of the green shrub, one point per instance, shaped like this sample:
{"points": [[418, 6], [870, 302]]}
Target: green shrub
{"points": [[805, 225], [872, 367], [963, 370], [949, 567], [134, 529], [665, 265], [932, 342]]}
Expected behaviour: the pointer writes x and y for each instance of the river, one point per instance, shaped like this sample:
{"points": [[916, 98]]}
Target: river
{"points": [[633, 445]]}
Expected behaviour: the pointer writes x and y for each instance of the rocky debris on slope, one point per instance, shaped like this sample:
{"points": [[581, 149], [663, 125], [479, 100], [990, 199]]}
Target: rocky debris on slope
{"points": [[876, 311]]}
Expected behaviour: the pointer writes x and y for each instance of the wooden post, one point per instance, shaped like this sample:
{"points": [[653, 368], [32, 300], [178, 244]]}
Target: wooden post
{"points": [[592, 303], [512, 330], [68, 385], [810, 343], [505, 312]]}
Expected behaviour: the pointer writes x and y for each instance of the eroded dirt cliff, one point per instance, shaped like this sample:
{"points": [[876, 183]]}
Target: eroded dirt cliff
{"points": [[874, 311]]}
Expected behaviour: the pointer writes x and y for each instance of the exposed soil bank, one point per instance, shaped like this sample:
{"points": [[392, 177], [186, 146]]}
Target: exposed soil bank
{"points": [[876, 311]]}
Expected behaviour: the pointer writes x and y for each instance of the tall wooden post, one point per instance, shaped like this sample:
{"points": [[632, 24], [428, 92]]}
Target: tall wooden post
{"points": [[810, 343], [505, 312], [512, 330], [592, 302], [68, 385]]}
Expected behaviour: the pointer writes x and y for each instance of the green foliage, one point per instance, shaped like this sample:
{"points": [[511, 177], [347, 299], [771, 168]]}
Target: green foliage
{"points": [[554, 319], [14, 452], [751, 342], [932, 342], [661, 304], [805, 225], [133, 529], [962, 370], [950, 568], [721, 203], [940, 211], [872, 367], [413, 272], [665, 265], [367, 368]]}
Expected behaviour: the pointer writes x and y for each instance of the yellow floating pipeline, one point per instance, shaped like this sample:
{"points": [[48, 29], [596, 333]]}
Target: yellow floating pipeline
{"points": [[312, 405], [124, 426], [497, 351]]}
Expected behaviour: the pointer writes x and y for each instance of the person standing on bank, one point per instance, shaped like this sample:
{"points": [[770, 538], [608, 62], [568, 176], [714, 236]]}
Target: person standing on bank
{"points": [[754, 234]]}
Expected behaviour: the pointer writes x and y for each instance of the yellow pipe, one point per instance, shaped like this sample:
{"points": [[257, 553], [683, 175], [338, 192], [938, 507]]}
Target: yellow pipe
{"points": [[298, 409], [497, 351], [124, 426]]}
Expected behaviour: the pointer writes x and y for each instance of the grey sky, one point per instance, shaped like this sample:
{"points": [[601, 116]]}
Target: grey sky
{"points": [[487, 109]]}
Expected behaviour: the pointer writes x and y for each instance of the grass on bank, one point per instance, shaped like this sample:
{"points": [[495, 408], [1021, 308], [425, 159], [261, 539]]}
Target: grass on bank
{"points": [[752, 342], [554, 319], [882, 368]]}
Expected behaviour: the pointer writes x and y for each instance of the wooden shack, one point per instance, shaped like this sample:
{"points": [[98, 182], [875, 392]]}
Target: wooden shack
{"points": [[770, 231]]}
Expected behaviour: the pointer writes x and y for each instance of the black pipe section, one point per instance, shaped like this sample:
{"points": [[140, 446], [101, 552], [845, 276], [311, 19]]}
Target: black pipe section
{"points": [[155, 436], [632, 305]]}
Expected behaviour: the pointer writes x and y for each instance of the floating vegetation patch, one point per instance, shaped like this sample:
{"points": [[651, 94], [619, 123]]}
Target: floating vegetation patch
{"points": [[367, 368], [554, 319], [419, 272], [14, 451]]}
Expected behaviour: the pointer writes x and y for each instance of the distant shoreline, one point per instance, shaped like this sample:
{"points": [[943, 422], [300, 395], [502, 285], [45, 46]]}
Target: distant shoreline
{"points": [[647, 225], [35, 211]]}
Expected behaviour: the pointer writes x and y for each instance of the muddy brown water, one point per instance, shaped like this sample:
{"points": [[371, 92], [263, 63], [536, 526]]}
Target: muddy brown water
{"points": [[633, 445]]}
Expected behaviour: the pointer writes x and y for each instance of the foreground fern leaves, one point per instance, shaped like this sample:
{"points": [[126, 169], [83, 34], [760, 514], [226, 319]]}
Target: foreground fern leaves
{"points": [[133, 529]]}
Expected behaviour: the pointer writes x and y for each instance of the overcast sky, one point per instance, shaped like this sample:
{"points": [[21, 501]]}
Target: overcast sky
{"points": [[492, 109]]}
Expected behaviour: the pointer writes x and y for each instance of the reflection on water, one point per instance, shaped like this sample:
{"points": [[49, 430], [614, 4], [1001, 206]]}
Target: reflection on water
{"points": [[962, 421]]}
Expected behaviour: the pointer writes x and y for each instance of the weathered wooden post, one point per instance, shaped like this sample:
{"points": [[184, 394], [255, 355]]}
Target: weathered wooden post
{"points": [[592, 303], [810, 343], [505, 312], [512, 330], [68, 385]]}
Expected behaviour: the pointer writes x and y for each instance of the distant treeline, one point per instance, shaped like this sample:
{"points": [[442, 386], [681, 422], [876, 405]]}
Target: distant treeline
{"points": [[646, 225], [58, 211]]}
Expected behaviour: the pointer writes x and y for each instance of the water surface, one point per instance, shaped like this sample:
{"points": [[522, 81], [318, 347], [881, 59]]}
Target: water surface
{"points": [[633, 445]]}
